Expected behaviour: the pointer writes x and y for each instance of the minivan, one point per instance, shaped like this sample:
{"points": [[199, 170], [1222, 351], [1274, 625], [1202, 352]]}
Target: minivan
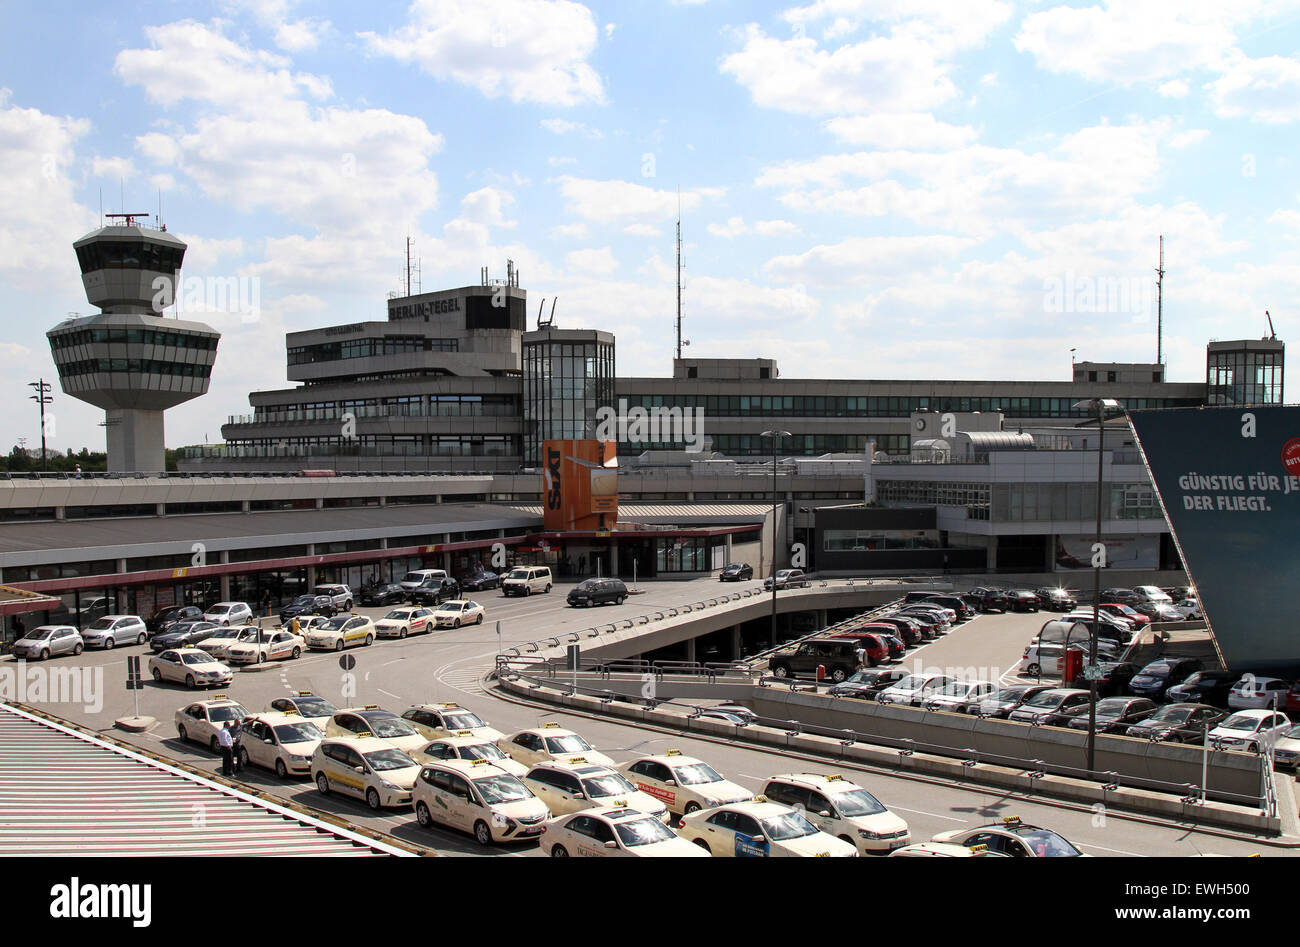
{"points": [[598, 592], [525, 580], [413, 580]]}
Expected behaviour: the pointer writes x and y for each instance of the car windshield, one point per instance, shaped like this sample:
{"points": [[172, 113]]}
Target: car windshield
{"points": [[1293, 733], [462, 721], [482, 751], [503, 788], [226, 712], [219, 609], [389, 727], [858, 802], [696, 774], [517, 574], [196, 658], [452, 607], [1006, 694], [1047, 844], [36, 634], [1169, 714], [1156, 669], [780, 828], [298, 732], [102, 624], [1111, 707], [316, 707], [910, 682], [399, 614], [1242, 722], [863, 677], [307, 600], [384, 760], [337, 623], [956, 689], [412, 577], [611, 784], [645, 831], [1045, 699], [569, 744]]}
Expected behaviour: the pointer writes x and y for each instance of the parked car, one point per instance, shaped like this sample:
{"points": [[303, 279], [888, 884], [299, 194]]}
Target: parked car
{"points": [[341, 594], [1286, 749], [1178, 723], [988, 599], [914, 689], [112, 630], [392, 594], [1022, 600], [526, 580], [1204, 687], [1191, 609], [188, 666], [458, 612], [736, 572], [1150, 593], [590, 592], [1056, 599], [435, 591], [955, 696], [960, 607], [171, 614], [308, 605], [866, 683], [1250, 730], [183, 634], [1114, 714], [48, 641], [908, 630], [837, 655], [1001, 702], [229, 613], [928, 625], [1160, 611], [1158, 676], [1135, 618], [1115, 678], [1258, 693], [874, 649], [478, 580], [789, 579], [1047, 708], [413, 580]]}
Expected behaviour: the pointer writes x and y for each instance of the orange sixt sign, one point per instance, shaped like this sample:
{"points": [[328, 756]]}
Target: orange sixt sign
{"points": [[579, 484]]}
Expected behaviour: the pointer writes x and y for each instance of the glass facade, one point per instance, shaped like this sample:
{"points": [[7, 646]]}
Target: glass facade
{"points": [[367, 348], [1246, 375], [567, 379], [1073, 501]]}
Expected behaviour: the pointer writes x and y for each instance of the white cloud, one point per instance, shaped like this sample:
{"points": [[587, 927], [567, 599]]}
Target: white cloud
{"points": [[900, 130], [528, 50], [560, 161], [570, 231], [300, 35], [775, 228], [943, 25], [624, 202], [561, 126], [485, 206], [1265, 90], [734, 227], [116, 167], [1185, 139], [1174, 88], [642, 230], [595, 262], [860, 259]]}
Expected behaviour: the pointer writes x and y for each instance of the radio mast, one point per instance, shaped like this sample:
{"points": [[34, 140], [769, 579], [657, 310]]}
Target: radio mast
{"points": [[679, 276], [1160, 301]]}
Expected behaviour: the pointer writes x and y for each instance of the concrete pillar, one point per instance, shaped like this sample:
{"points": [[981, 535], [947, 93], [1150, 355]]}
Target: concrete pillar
{"points": [[991, 561], [690, 649], [821, 618], [613, 564], [320, 503], [311, 570], [736, 643], [160, 509], [245, 506], [60, 512], [225, 579]]}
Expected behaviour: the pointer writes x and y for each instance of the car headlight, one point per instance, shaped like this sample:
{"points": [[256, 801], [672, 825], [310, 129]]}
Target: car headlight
{"points": [[868, 834], [387, 785]]}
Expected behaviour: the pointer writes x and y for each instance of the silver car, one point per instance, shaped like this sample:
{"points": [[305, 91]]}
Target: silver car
{"points": [[112, 630], [47, 641]]}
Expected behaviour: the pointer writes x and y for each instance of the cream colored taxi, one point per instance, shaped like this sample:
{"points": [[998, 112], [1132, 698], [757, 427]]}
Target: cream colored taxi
{"points": [[575, 784], [275, 644], [841, 808], [444, 720], [341, 631], [189, 666], [302, 624], [366, 768], [614, 831], [550, 741], [683, 783], [465, 746], [201, 720], [475, 796], [219, 644], [458, 612], [372, 721], [282, 742], [407, 620], [307, 705], [760, 829]]}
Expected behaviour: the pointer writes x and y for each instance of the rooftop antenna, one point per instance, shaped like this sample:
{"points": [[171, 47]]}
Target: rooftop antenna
{"points": [[1272, 333], [678, 356], [540, 306], [554, 300], [1160, 303], [408, 264]]}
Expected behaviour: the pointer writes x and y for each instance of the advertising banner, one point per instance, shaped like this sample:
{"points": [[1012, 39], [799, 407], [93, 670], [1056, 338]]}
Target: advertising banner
{"points": [[579, 484], [1122, 552]]}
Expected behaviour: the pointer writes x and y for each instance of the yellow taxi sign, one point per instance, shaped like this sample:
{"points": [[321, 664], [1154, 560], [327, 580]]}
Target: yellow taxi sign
{"points": [[450, 704], [478, 762], [760, 798], [978, 849], [551, 724], [371, 707], [577, 759], [672, 753], [219, 697], [619, 802], [305, 694], [833, 778], [464, 733], [1011, 820]]}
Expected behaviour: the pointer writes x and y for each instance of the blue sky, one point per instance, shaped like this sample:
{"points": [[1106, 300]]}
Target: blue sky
{"points": [[869, 188]]}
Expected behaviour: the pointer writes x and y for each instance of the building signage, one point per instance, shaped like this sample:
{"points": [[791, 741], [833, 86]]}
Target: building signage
{"points": [[433, 307], [579, 484]]}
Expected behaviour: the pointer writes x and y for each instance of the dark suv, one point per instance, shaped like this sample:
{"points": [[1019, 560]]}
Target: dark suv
{"points": [[435, 591], [1022, 600], [160, 619], [838, 655], [866, 684], [955, 602], [988, 599], [1158, 676], [305, 605], [383, 595], [1056, 600], [598, 592]]}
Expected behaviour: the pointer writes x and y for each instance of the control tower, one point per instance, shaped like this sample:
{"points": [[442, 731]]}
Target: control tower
{"points": [[129, 359]]}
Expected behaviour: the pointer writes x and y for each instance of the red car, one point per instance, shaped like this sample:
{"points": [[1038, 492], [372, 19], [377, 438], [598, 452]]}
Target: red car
{"points": [[877, 651], [1293, 701], [1123, 611]]}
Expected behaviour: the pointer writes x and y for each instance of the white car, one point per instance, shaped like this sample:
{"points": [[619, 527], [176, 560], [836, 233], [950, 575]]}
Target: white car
{"points": [[341, 631], [550, 741], [306, 705], [457, 612], [219, 644], [683, 783], [1013, 838], [1286, 749], [282, 742], [914, 689], [340, 595], [1190, 608], [275, 645], [1258, 693], [1250, 730], [404, 621], [760, 829], [450, 719], [201, 720], [476, 796], [46, 641], [189, 666], [113, 630], [466, 746], [575, 784], [303, 624], [614, 831], [229, 613], [413, 580], [957, 694], [372, 721], [1153, 594], [841, 808], [941, 850], [366, 768]]}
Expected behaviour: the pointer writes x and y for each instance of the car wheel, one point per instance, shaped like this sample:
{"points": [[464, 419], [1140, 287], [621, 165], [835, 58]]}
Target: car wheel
{"points": [[157, 676], [456, 623], [528, 590], [297, 652], [423, 815], [140, 638], [214, 746], [559, 851], [261, 657], [323, 784], [838, 675], [692, 807], [1033, 669], [548, 586], [108, 644], [338, 645], [403, 633], [180, 732], [45, 654], [77, 648], [372, 798], [190, 682], [347, 606], [482, 834], [480, 620], [1252, 747], [370, 639], [781, 671], [281, 770], [620, 600], [243, 758], [704, 845]]}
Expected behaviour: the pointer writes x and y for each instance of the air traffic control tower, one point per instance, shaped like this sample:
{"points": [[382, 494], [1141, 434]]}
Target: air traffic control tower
{"points": [[130, 360]]}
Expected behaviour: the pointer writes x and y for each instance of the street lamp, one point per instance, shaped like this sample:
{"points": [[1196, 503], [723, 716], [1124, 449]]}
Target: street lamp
{"points": [[42, 397], [1101, 406], [776, 442]]}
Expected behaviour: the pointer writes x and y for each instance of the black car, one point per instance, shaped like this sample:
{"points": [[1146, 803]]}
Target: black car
{"points": [[959, 605], [1179, 723], [928, 625], [736, 572], [1001, 702], [598, 592], [1056, 600], [988, 599], [1203, 687], [1114, 714], [383, 595], [907, 629], [1022, 600], [183, 634], [868, 682], [1115, 677], [305, 605], [435, 591], [839, 657], [1158, 676], [163, 617], [480, 580]]}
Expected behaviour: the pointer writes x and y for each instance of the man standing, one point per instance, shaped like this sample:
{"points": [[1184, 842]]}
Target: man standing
{"points": [[236, 742], [227, 744]]}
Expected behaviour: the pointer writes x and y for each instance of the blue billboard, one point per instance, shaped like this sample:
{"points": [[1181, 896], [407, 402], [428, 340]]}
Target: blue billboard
{"points": [[1229, 479]]}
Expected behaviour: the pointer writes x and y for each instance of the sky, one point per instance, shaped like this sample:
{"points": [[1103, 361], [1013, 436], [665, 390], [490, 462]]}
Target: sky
{"points": [[891, 189]]}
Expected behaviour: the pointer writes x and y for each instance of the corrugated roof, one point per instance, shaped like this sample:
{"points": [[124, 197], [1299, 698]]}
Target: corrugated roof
{"points": [[682, 513], [66, 793]]}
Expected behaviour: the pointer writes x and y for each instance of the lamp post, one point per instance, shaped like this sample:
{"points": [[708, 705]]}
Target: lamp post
{"points": [[42, 397], [1101, 406], [776, 442]]}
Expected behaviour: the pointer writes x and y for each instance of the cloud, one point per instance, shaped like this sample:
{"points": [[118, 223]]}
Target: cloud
{"points": [[571, 231], [1174, 89], [624, 202], [859, 259], [301, 35], [560, 126], [900, 130], [115, 167], [485, 206], [1264, 90], [527, 50], [594, 262], [736, 226]]}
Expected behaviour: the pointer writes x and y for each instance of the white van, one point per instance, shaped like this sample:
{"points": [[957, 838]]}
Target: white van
{"points": [[525, 580], [413, 580], [1152, 594]]}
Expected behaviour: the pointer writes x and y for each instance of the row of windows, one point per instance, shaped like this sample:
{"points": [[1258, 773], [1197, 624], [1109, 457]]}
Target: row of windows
{"points": [[933, 493], [470, 445], [834, 406], [133, 336], [437, 406], [142, 366], [124, 254], [366, 348], [855, 540], [1072, 501]]}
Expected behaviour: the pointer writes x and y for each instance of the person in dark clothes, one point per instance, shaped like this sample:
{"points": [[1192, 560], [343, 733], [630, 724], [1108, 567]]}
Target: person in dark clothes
{"points": [[227, 743], [236, 742], [20, 629]]}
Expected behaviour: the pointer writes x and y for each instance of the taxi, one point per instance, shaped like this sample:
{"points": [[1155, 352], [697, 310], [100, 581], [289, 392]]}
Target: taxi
{"points": [[341, 631], [457, 612], [372, 721], [841, 808], [201, 720], [614, 831], [305, 623], [219, 644], [1013, 837], [282, 742], [476, 796], [307, 705], [364, 767], [760, 829], [444, 720], [941, 850], [465, 746], [276, 645], [550, 741], [401, 622], [682, 783], [189, 666], [576, 783]]}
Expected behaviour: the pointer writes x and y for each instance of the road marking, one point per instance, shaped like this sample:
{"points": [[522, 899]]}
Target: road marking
{"points": [[389, 693]]}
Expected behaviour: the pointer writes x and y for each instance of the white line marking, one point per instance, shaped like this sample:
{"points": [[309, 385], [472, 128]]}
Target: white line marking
{"points": [[389, 693]]}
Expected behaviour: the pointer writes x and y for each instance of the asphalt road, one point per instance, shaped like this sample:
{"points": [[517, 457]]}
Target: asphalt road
{"points": [[449, 665]]}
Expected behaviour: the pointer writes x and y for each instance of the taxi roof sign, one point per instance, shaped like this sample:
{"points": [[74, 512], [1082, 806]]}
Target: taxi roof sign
{"points": [[577, 759], [1011, 820], [464, 733], [550, 724], [672, 753], [304, 694]]}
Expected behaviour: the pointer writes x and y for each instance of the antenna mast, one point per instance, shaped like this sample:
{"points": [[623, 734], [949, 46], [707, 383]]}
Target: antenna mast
{"points": [[1160, 301], [408, 264], [679, 275]]}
